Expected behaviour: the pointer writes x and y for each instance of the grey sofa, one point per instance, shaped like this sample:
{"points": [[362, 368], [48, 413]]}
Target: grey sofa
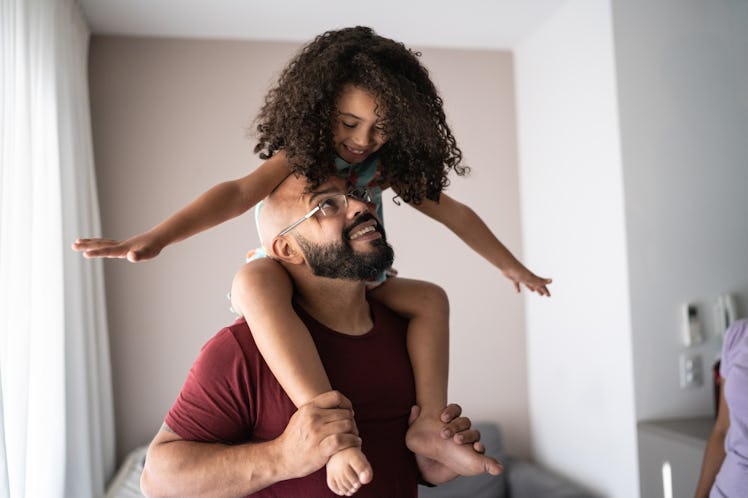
{"points": [[520, 479]]}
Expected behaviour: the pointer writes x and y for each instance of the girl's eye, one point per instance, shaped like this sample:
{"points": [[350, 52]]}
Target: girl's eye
{"points": [[348, 125]]}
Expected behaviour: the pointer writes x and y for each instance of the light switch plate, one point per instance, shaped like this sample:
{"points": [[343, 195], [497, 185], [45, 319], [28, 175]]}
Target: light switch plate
{"points": [[691, 371]]}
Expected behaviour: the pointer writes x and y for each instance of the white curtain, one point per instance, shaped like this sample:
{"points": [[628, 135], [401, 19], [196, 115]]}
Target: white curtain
{"points": [[56, 412]]}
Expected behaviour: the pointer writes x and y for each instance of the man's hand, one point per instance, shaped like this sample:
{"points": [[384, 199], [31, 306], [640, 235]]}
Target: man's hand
{"points": [[315, 432], [457, 427], [177, 467]]}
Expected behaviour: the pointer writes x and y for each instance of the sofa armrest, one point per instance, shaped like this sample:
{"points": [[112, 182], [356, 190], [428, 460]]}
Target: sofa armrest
{"points": [[126, 483], [527, 480]]}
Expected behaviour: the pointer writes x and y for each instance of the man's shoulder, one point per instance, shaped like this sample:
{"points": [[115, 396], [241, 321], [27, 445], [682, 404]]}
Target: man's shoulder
{"points": [[236, 336], [383, 314]]}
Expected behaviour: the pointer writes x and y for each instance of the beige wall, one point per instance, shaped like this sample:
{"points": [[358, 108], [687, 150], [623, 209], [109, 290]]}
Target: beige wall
{"points": [[169, 120]]}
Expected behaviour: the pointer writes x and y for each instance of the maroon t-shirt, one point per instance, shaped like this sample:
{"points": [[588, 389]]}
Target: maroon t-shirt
{"points": [[231, 396]]}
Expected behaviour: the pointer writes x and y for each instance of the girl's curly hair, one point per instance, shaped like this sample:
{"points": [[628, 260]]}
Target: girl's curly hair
{"points": [[299, 112]]}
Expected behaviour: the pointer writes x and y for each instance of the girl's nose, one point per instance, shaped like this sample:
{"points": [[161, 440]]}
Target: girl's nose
{"points": [[362, 137]]}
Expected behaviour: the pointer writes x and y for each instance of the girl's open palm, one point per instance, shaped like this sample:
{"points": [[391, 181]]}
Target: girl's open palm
{"points": [[138, 248], [520, 276]]}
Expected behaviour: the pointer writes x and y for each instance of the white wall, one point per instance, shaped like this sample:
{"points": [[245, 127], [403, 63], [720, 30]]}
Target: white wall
{"points": [[683, 90], [580, 368], [672, 86], [169, 121]]}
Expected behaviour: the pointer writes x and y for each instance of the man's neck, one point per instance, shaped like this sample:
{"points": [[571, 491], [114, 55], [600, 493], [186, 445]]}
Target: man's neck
{"points": [[338, 304]]}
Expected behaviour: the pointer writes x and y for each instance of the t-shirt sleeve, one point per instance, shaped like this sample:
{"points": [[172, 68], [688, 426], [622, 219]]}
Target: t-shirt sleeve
{"points": [[214, 404], [736, 335]]}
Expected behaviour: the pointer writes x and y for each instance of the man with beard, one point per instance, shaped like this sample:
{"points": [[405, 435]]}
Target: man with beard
{"points": [[234, 432]]}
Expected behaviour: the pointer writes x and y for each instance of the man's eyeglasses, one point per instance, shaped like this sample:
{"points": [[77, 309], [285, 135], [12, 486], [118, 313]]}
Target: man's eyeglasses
{"points": [[331, 205]]}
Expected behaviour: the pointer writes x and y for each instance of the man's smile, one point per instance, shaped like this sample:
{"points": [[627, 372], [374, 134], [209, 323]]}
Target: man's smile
{"points": [[362, 231], [367, 229]]}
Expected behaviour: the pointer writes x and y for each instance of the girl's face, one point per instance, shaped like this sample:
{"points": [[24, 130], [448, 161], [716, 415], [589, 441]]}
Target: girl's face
{"points": [[358, 130]]}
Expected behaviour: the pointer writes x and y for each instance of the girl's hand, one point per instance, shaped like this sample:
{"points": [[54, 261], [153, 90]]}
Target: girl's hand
{"points": [[520, 275], [139, 248]]}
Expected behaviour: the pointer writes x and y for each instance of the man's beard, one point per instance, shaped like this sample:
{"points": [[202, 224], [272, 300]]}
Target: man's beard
{"points": [[339, 260]]}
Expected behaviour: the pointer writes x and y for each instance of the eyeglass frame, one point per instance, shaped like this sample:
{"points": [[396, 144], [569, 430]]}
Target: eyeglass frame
{"points": [[365, 196]]}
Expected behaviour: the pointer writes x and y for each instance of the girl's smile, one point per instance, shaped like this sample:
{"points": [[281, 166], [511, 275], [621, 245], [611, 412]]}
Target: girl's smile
{"points": [[358, 131]]}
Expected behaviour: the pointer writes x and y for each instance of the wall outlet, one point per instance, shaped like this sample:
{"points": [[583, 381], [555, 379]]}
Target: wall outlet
{"points": [[691, 371]]}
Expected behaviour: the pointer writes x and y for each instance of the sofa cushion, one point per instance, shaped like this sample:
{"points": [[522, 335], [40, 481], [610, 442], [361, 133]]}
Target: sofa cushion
{"points": [[529, 480]]}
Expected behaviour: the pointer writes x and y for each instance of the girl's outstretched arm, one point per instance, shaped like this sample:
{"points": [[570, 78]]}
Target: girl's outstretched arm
{"points": [[468, 226], [222, 202]]}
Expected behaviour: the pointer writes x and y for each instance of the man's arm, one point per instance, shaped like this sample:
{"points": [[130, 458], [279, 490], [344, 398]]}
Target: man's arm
{"points": [[176, 467]]}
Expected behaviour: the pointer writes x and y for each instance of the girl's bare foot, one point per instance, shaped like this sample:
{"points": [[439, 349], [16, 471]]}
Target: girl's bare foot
{"points": [[347, 471], [424, 438]]}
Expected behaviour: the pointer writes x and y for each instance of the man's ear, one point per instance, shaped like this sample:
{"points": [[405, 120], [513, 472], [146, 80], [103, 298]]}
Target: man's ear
{"points": [[284, 250]]}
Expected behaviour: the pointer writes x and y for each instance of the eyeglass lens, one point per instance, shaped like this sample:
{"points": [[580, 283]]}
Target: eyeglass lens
{"points": [[335, 203]]}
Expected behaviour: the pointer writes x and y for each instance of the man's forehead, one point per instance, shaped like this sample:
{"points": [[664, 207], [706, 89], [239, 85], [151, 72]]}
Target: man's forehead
{"points": [[332, 185], [296, 190]]}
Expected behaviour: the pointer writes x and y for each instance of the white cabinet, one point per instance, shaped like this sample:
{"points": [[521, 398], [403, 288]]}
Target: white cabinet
{"points": [[678, 443]]}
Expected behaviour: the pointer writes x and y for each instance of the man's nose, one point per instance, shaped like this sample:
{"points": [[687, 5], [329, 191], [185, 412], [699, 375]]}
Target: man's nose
{"points": [[357, 206]]}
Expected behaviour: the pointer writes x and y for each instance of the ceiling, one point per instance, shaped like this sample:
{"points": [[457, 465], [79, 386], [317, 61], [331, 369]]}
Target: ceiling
{"points": [[473, 24]]}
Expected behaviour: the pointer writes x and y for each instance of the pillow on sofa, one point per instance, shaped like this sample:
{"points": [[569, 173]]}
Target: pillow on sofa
{"points": [[482, 486]]}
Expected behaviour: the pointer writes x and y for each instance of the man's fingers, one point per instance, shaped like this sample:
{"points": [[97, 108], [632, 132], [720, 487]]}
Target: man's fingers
{"points": [[451, 412], [323, 412], [327, 416], [456, 426], [342, 426], [467, 436], [415, 411], [336, 442], [332, 399]]}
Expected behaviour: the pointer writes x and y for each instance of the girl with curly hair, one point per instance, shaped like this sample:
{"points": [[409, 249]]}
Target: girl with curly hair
{"points": [[361, 106]]}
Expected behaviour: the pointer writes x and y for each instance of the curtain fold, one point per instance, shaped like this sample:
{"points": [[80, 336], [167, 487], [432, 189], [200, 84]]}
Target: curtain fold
{"points": [[56, 402]]}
